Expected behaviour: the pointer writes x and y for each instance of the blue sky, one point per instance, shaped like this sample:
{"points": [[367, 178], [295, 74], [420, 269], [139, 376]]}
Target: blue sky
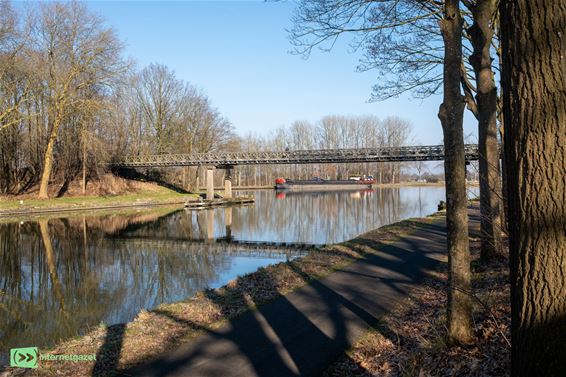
{"points": [[237, 52]]}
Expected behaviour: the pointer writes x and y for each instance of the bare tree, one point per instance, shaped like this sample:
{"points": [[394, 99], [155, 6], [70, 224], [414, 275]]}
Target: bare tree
{"points": [[158, 93], [73, 51], [482, 37], [12, 73], [451, 116], [68, 101], [401, 41]]}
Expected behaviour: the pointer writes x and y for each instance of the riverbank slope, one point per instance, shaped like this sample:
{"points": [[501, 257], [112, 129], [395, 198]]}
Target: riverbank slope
{"points": [[108, 192]]}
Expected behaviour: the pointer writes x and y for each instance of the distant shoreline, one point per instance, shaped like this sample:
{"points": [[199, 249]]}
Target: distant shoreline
{"points": [[22, 207]]}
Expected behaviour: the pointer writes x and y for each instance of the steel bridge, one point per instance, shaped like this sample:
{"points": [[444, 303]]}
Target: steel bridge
{"points": [[229, 159]]}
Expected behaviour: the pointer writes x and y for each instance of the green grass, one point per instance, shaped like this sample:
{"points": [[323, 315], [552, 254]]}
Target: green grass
{"points": [[161, 195]]}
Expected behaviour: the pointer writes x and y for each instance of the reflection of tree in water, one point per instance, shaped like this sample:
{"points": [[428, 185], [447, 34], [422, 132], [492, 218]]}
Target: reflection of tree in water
{"points": [[331, 216], [315, 217], [59, 277]]}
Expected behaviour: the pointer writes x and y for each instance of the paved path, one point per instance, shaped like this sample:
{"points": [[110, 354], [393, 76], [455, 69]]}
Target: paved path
{"points": [[301, 333]]}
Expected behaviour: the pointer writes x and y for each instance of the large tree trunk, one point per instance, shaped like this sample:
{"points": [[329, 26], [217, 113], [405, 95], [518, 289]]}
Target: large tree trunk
{"points": [[451, 115], [48, 160], [481, 34], [534, 87]]}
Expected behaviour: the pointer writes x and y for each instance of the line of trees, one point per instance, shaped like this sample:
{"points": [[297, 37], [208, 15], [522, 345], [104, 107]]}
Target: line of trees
{"points": [[330, 132], [69, 101], [455, 47]]}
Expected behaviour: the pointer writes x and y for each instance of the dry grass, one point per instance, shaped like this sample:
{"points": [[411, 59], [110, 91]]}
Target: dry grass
{"points": [[105, 185], [107, 192]]}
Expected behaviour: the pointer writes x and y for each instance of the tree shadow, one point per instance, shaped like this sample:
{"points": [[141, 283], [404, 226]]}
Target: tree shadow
{"points": [[108, 354], [281, 338]]}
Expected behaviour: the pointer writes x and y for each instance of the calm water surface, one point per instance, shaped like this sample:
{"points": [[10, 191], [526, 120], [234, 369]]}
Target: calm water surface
{"points": [[58, 276]]}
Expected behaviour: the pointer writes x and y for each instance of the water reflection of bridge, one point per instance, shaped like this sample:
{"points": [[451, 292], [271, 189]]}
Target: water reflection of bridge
{"points": [[222, 245]]}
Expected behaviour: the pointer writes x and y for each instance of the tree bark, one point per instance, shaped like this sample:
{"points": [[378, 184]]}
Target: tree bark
{"points": [[534, 88], [451, 115], [481, 33], [504, 201]]}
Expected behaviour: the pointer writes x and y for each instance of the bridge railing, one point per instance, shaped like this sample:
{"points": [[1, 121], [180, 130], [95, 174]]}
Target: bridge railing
{"points": [[410, 153]]}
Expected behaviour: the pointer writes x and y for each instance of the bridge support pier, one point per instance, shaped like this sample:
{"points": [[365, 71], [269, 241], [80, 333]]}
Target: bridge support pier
{"points": [[228, 182], [210, 184]]}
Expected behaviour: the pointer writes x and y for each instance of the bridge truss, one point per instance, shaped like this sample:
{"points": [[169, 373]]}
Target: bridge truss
{"points": [[227, 159]]}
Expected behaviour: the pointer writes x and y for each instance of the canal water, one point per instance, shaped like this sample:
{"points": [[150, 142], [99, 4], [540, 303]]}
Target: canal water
{"points": [[61, 275]]}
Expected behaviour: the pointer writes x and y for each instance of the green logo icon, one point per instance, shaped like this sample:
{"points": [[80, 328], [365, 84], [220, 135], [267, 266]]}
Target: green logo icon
{"points": [[24, 357]]}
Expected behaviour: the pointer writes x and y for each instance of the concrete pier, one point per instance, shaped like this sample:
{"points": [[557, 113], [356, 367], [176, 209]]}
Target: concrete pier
{"points": [[227, 188], [210, 184], [228, 183]]}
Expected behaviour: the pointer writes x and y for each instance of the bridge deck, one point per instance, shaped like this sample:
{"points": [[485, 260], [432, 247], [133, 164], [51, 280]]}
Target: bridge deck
{"points": [[221, 159]]}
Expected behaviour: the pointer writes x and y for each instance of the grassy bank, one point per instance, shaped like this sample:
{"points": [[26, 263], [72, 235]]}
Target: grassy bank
{"points": [[410, 340], [121, 347], [156, 196]]}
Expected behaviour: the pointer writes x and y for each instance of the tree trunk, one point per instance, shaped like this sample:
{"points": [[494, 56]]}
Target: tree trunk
{"points": [[84, 163], [451, 115], [534, 108], [504, 202], [48, 160], [481, 34]]}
